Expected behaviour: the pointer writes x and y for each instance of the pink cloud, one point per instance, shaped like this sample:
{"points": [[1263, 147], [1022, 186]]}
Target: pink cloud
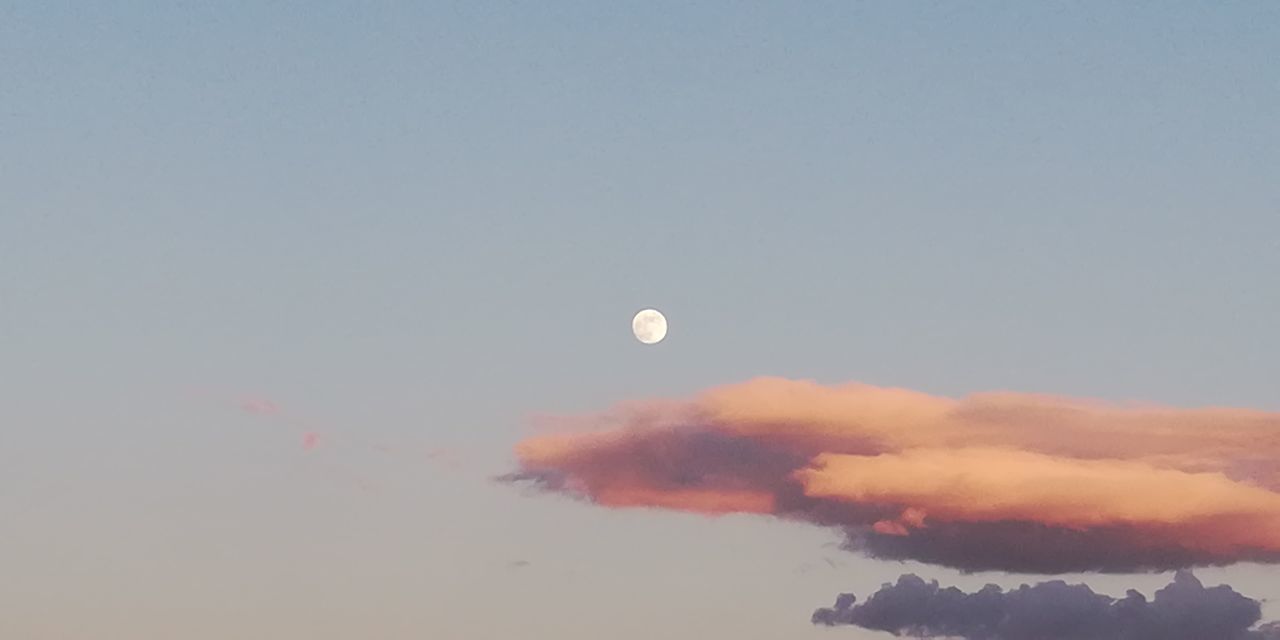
{"points": [[998, 480]]}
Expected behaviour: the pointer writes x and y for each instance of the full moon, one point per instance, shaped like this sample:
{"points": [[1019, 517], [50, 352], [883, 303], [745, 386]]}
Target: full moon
{"points": [[650, 326]]}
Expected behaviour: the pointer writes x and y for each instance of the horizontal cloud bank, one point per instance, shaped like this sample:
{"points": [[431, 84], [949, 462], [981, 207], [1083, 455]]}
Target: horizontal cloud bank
{"points": [[1184, 610], [1016, 482]]}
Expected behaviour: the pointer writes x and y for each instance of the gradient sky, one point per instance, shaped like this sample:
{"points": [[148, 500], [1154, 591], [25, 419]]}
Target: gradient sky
{"points": [[416, 225]]}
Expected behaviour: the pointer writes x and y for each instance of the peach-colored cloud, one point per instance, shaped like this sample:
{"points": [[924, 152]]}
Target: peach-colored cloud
{"points": [[971, 485], [693, 500], [1060, 483]]}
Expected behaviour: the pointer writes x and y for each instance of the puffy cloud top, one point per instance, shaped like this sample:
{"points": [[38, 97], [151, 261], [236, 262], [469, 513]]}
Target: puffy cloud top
{"points": [[1184, 610]]}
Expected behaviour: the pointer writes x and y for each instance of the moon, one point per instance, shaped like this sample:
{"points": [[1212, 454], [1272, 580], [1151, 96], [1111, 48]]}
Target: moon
{"points": [[650, 326]]}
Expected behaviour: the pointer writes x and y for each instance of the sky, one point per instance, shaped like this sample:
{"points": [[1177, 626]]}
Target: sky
{"points": [[284, 285]]}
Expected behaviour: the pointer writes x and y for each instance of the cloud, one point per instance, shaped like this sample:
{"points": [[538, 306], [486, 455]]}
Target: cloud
{"points": [[1184, 610], [259, 406], [1017, 482]]}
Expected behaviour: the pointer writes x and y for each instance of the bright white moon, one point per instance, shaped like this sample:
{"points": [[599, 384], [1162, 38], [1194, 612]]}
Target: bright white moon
{"points": [[650, 326]]}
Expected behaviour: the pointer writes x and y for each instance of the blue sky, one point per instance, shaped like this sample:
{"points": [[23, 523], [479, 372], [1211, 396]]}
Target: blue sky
{"points": [[426, 222]]}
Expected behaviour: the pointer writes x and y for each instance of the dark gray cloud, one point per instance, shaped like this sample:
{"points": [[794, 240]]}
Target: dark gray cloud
{"points": [[1055, 610]]}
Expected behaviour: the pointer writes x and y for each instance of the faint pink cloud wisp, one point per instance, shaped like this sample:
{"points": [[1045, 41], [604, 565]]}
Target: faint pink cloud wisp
{"points": [[259, 406]]}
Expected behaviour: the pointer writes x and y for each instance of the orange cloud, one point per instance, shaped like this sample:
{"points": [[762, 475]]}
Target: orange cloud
{"points": [[1060, 484], [972, 485], [697, 501]]}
